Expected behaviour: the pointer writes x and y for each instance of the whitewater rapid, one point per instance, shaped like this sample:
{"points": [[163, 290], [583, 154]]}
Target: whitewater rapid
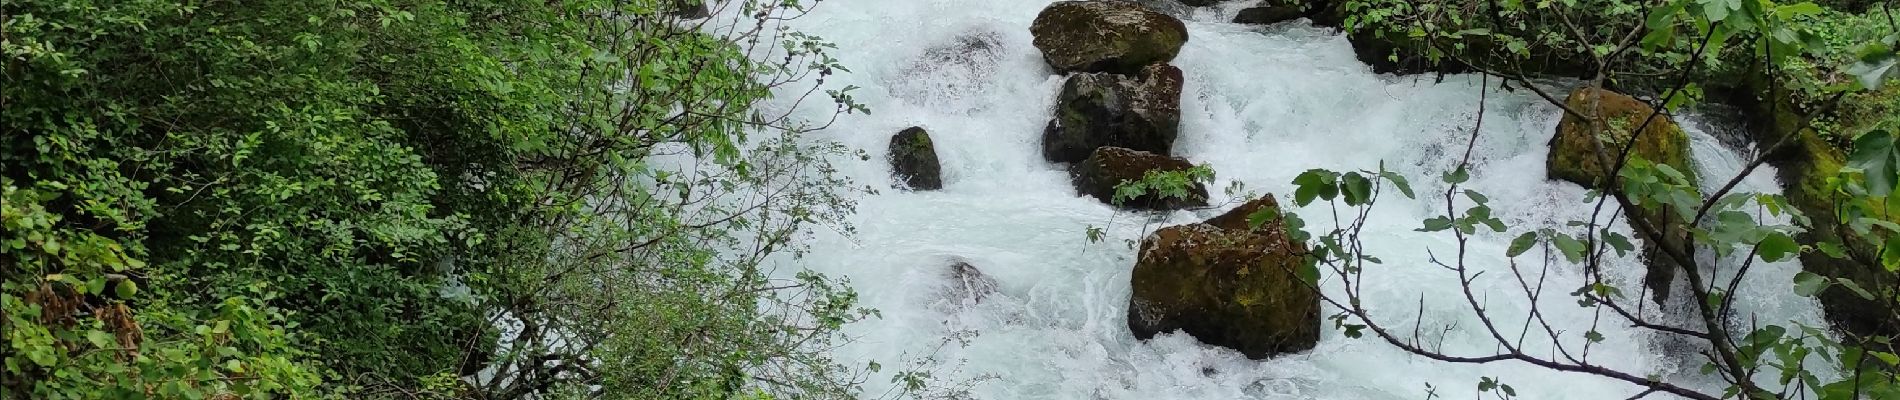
{"points": [[1261, 105]]}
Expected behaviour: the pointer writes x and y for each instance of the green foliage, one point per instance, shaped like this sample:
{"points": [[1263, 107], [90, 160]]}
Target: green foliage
{"points": [[294, 199], [1165, 184]]}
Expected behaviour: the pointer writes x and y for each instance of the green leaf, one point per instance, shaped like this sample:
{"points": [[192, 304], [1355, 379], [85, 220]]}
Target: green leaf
{"points": [[1715, 10], [1573, 250], [1777, 247], [1435, 224], [1398, 181], [1357, 188], [1315, 184], [1476, 197], [1875, 155], [1872, 74], [1832, 249], [1890, 254], [1808, 284], [1309, 272], [1618, 241], [1521, 244], [1593, 336], [1457, 176], [1262, 217], [1856, 288], [101, 339]]}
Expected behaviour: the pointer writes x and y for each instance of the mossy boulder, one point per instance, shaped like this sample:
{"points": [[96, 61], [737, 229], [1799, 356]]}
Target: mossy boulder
{"points": [[1098, 109], [1614, 116], [1236, 219], [1108, 167], [1106, 36], [914, 160], [1233, 288], [1574, 157], [1803, 169]]}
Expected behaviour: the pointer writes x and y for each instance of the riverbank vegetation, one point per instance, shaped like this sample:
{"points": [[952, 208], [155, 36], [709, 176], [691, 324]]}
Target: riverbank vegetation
{"points": [[413, 199]]}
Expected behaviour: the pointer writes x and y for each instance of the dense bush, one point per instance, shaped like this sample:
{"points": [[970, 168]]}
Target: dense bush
{"points": [[313, 198]]}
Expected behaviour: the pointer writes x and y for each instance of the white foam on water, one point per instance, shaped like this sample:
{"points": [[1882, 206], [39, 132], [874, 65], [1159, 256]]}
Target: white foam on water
{"points": [[1261, 105]]}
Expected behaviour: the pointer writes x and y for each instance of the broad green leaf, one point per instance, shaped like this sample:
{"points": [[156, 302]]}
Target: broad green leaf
{"points": [[1457, 176], [1618, 241], [1521, 244], [1832, 249], [101, 339], [1777, 247], [1357, 188], [1477, 197], [1856, 288], [1875, 155], [1809, 284], [1262, 217], [1398, 181], [1572, 248], [1872, 74]]}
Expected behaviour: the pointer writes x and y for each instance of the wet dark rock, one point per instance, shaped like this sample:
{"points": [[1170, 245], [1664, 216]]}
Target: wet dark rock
{"points": [[1233, 288], [914, 160], [1099, 109], [1106, 36], [1268, 15]]}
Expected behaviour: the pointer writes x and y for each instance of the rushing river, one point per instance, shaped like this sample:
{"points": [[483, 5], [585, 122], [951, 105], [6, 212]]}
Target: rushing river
{"points": [[1261, 105]]}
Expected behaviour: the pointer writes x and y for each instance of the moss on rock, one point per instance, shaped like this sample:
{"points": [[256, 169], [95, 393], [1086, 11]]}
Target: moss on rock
{"points": [[1233, 288], [1106, 36], [1613, 119]]}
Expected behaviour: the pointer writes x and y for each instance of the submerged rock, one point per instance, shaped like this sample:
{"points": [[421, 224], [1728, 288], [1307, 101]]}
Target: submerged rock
{"points": [[1097, 109], [1269, 14], [951, 76], [1233, 288], [914, 160], [969, 285], [1106, 36], [1108, 167]]}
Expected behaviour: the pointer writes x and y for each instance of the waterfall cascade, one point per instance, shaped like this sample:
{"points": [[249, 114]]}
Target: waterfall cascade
{"points": [[1260, 105]]}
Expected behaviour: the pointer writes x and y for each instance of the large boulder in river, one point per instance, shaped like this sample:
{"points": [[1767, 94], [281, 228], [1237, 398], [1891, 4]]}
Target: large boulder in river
{"points": [[1098, 109], [914, 160], [1100, 174], [1234, 288], [1613, 116], [1106, 36]]}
